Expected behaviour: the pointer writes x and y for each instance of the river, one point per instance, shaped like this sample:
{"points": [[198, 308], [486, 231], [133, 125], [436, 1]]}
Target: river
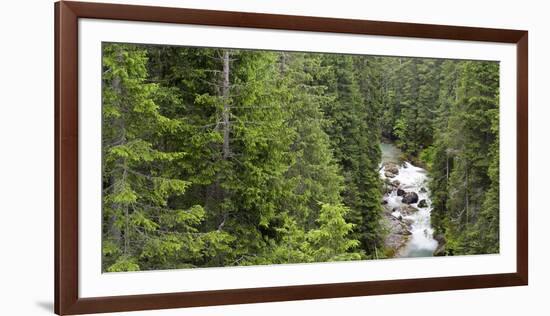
{"points": [[418, 240]]}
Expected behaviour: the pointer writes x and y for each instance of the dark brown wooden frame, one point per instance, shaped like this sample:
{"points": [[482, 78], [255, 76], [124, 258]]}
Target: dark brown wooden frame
{"points": [[67, 301]]}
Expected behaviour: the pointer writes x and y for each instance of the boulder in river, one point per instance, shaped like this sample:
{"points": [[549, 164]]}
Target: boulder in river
{"points": [[410, 198], [422, 204], [391, 168], [407, 221], [441, 243], [440, 238], [407, 209], [400, 192], [399, 233], [388, 174], [423, 190], [406, 232], [439, 251], [396, 183], [388, 189]]}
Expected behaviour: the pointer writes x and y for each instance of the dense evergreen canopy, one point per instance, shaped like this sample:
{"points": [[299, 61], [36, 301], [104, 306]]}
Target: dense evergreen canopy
{"points": [[219, 157]]}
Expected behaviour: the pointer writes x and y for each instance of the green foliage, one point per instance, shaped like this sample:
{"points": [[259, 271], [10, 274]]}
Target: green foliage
{"points": [[427, 156], [412, 90], [138, 187], [465, 168], [123, 264], [330, 241], [240, 133], [354, 130], [218, 157]]}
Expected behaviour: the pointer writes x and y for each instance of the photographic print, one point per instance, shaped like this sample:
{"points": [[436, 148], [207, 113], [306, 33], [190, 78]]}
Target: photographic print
{"points": [[215, 157], [209, 157]]}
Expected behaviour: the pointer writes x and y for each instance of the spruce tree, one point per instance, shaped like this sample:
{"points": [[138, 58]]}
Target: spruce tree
{"points": [[139, 220]]}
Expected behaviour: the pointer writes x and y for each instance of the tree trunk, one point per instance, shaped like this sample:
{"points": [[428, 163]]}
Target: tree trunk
{"points": [[447, 168], [114, 232], [283, 63], [226, 106], [467, 196]]}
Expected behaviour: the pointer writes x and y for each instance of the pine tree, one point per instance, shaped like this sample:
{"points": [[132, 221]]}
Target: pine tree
{"points": [[370, 81], [469, 147], [138, 216], [355, 143], [441, 161], [330, 242], [314, 173]]}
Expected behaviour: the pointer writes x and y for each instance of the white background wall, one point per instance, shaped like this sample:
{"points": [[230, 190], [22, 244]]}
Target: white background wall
{"points": [[26, 156]]}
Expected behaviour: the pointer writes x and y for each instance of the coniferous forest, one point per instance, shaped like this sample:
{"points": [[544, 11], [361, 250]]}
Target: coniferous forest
{"points": [[225, 157]]}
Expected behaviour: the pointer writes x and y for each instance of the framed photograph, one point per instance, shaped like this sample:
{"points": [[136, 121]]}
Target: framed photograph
{"points": [[211, 157]]}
